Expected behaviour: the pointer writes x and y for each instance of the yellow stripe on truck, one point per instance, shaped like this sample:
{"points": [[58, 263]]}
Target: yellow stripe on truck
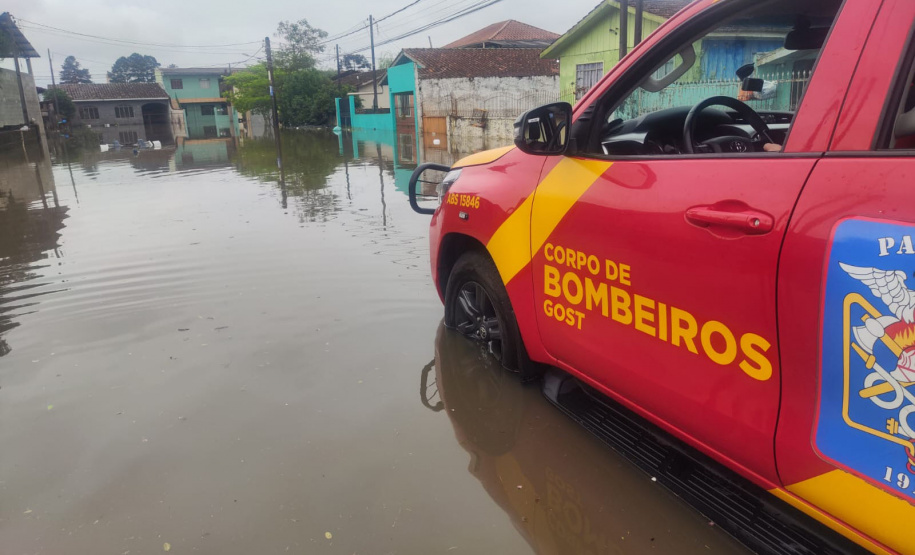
{"points": [[519, 238], [841, 497]]}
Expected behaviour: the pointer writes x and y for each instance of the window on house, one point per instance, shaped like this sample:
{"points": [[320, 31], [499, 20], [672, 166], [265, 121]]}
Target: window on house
{"points": [[177, 84], [205, 83], [220, 110], [209, 131], [88, 112], [404, 105], [225, 132], [207, 110], [586, 76], [127, 137], [123, 111]]}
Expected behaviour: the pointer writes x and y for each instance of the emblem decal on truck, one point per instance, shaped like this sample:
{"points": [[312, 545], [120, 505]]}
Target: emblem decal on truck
{"points": [[866, 422]]}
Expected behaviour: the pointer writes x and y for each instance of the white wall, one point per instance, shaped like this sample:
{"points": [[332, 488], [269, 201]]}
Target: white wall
{"points": [[465, 134], [501, 97], [365, 92]]}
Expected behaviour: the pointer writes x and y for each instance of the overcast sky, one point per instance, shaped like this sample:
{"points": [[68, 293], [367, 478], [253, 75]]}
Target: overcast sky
{"points": [[216, 22]]}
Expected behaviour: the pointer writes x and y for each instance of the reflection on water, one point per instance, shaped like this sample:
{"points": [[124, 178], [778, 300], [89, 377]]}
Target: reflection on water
{"points": [[193, 351], [564, 491], [30, 223]]}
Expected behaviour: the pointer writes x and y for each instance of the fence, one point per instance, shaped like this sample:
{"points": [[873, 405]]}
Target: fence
{"points": [[503, 105], [783, 92]]}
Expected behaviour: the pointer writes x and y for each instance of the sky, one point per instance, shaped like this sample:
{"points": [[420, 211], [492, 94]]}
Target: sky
{"points": [[207, 27]]}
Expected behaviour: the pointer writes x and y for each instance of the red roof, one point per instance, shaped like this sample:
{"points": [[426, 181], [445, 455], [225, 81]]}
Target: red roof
{"points": [[444, 63], [504, 31]]}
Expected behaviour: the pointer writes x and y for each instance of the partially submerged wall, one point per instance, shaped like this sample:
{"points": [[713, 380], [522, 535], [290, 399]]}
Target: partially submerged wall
{"points": [[10, 105]]}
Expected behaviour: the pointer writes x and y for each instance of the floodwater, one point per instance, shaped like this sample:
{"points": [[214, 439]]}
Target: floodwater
{"points": [[196, 359]]}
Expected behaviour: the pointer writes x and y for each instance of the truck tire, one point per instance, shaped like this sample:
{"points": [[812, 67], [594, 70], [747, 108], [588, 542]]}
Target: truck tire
{"points": [[477, 306]]}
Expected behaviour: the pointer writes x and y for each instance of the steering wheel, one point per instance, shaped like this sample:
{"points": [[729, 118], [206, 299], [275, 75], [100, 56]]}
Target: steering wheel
{"points": [[727, 143]]}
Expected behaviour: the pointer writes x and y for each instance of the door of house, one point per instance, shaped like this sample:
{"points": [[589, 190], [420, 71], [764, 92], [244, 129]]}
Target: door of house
{"points": [[435, 129]]}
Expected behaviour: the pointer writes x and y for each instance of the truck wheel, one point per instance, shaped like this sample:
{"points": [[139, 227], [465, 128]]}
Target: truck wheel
{"points": [[477, 306]]}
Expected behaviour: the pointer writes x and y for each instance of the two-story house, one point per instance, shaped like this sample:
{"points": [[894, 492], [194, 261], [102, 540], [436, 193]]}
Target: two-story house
{"points": [[197, 91]]}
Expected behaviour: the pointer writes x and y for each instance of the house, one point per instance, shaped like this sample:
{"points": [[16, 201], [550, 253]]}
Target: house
{"points": [[198, 93], [462, 91], [588, 50], [465, 94], [125, 112], [19, 104], [507, 34], [361, 82]]}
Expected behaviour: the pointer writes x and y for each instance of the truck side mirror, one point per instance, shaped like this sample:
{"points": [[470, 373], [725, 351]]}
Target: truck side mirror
{"points": [[544, 130], [751, 84]]}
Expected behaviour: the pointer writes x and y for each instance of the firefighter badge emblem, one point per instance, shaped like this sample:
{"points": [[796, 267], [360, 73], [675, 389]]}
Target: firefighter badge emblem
{"points": [[866, 423]]}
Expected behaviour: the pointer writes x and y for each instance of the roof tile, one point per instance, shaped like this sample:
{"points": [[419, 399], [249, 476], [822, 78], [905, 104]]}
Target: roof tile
{"points": [[114, 91], [502, 31], [443, 63]]}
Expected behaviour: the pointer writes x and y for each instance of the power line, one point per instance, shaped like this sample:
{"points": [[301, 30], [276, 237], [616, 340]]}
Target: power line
{"points": [[407, 7], [365, 26], [137, 42], [446, 11], [153, 48], [480, 5]]}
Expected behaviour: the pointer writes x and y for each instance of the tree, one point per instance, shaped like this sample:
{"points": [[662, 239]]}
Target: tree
{"points": [[302, 44], [307, 98], [355, 61], [249, 89], [65, 105], [134, 69], [70, 72], [385, 60]]}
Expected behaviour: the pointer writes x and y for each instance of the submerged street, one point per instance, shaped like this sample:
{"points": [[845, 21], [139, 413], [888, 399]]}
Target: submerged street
{"points": [[198, 358]]}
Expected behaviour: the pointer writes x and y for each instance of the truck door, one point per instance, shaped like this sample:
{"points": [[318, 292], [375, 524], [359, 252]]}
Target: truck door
{"points": [[846, 434], [656, 277]]}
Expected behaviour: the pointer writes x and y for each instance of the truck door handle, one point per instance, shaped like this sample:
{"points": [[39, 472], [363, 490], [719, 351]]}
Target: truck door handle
{"points": [[735, 216]]}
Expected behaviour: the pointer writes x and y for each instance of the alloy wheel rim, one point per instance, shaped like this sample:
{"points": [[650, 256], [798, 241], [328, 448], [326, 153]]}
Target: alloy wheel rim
{"points": [[475, 317]]}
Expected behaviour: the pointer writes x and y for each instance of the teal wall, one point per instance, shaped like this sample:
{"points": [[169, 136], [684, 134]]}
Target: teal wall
{"points": [[191, 89], [402, 78], [384, 122], [196, 121]]}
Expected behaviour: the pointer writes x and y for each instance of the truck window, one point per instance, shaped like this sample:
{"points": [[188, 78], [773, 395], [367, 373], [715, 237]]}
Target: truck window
{"points": [[745, 77], [903, 135]]}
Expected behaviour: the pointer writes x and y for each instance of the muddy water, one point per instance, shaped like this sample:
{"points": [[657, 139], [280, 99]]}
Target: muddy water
{"points": [[194, 358]]}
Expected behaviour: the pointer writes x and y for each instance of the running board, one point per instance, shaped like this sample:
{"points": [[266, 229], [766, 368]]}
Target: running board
{"points": [[756, 518]]}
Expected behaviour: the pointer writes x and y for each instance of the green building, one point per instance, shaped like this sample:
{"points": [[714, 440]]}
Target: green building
{"points": [[588, 50], [197, 91]]}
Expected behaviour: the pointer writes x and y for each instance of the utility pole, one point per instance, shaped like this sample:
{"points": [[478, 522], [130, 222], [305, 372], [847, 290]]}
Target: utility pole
{"points": [[374, 71], [624, 28], [54, 85], [637, 32], [276, 117], [338, 64], [25, 108]]}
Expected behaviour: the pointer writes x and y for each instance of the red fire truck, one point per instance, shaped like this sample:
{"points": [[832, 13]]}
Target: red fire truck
{"points": [[737, 274]]}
